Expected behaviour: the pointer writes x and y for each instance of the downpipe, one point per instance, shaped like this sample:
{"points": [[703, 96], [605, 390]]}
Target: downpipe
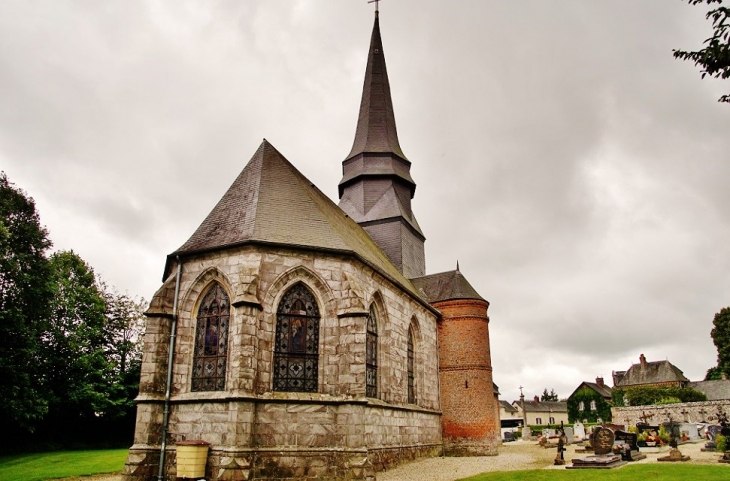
{"points": [[168, 389]]}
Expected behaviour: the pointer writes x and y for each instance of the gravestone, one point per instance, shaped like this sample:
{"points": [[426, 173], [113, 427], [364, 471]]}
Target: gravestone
{"points": [[548, 433], [690, 431], [629, 440], [509, 436], [579, 432], [568, 434], [712, 431], [602, 440], [674, 454]]}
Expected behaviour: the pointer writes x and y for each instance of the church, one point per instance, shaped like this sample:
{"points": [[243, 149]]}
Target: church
{"points": [[302, 339]]}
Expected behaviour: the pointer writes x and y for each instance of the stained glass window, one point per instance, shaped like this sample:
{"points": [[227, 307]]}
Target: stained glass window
{"points": [[296, 346], [211, 341], [371, 356], [411, 375]]}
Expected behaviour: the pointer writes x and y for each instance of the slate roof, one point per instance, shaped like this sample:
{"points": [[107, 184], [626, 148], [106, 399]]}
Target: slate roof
{"points": [[507, 406], [651, 373], [604, 390], [376, 131], [717, 390], [545, 406], [445, 286], [271, 202]]}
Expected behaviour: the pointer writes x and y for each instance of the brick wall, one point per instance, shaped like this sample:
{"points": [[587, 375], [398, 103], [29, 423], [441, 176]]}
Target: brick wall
{"points": [[471, 424]]}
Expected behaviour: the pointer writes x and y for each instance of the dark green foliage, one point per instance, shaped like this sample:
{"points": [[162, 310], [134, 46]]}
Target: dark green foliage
{"points": [[70, 348], [721, 337], [77, 372], [714, 58], [586, 395], [552, 396], [617, 397], [713, 374], [647, 395], [25, 293]]}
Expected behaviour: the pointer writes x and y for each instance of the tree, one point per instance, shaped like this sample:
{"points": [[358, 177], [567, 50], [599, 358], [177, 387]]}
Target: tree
{"points": [[549, 397], [77, 372], [124, 330], [721, 337], [25, 292], [714, 58], [70, 347]]}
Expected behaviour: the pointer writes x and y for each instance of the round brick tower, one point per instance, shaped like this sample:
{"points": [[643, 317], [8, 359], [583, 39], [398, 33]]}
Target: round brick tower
{"points": [[470, 419]]}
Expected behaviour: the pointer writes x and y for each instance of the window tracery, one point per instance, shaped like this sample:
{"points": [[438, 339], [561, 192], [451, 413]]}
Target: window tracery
{"points": [[211, 341], [296, 344]]}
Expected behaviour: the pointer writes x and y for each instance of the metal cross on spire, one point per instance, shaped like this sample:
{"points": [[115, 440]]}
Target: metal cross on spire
{"points": [[376, 4]]}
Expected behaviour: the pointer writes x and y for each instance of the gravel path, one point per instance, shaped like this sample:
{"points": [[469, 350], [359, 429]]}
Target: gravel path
{"points": [[512, 456]]}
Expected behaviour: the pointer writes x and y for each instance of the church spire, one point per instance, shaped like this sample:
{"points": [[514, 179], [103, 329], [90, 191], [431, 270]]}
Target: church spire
{"points": [[376, 187], [376, 131]]}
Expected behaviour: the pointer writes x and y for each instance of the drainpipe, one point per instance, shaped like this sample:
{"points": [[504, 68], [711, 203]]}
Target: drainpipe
{"points": [[168, 389]]}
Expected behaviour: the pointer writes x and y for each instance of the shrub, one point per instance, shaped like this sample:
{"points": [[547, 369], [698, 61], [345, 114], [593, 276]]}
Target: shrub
{"points": [[720, 442], [646, 395], [669, 400], [663, 434]]}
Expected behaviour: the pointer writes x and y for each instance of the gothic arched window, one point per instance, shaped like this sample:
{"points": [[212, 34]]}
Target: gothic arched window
{"points": [[411, 369], [211, 341], [371, 356], [296, 346]]}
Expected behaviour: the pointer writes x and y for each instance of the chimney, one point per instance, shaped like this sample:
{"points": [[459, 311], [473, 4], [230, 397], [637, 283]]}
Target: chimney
{"points": [[537, 399], [642, 360], [599, 381]]}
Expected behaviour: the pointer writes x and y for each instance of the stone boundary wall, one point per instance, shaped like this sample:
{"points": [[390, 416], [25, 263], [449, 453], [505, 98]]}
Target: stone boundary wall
{"points": [[681, 412]]}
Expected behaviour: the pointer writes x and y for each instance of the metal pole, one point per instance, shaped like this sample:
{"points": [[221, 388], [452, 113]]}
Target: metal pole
{"points": [[168, 390]]}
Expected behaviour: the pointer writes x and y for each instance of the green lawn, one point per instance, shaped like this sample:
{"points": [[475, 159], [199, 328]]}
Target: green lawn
{"points": [[643, 472], [61, 464]]}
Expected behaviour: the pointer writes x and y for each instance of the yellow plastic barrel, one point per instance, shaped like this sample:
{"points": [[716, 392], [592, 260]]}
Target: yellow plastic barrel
{"points": [[191, 458]]}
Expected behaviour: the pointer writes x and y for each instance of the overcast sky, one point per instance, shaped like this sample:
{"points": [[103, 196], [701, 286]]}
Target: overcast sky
{"points": [[577, 171]]}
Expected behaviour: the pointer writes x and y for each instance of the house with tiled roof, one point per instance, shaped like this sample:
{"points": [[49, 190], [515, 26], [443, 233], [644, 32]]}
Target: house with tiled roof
{"points": [[542, 412], [590, 401], [650, 373], [296, 337]]}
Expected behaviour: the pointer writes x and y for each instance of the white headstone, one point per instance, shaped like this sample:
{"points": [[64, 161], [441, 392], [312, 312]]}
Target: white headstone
{"points": [[569, 433], [579, 432], [690, 429]]}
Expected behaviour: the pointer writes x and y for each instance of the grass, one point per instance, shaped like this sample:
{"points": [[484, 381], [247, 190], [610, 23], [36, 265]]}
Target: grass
{"points": [[61, 464], [643, 472]]}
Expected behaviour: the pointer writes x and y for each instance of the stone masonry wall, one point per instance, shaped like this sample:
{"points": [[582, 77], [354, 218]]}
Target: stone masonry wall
{"points": [[249, 416], [682, 412]]}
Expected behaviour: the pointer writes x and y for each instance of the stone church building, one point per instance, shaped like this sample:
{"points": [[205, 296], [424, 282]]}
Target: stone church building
{"points": [[304, 340]]}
